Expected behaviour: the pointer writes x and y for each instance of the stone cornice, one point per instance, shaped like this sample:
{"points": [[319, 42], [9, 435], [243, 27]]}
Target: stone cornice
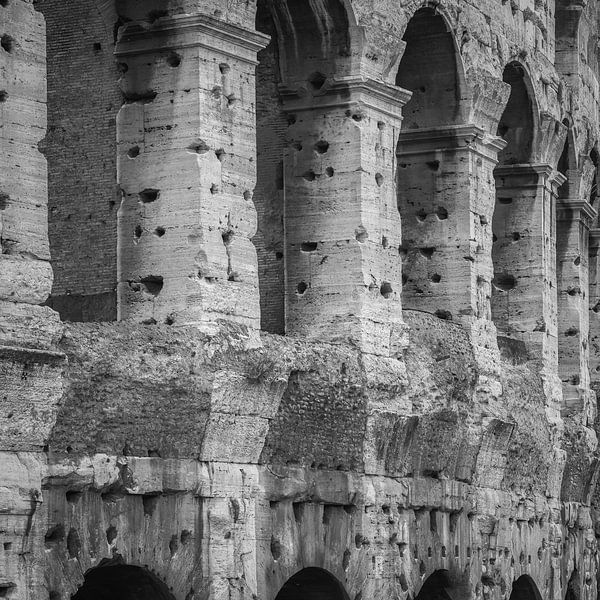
{"points": [[568, 209], [344, 92], [190, 31], [452, 137]]}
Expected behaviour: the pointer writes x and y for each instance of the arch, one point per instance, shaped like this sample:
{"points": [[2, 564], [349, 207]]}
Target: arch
{"points": [[312, 583], [567, 163], [121, 582], [517, 125], [440, 585], [431, 68], [313, 39], [524, 588]]}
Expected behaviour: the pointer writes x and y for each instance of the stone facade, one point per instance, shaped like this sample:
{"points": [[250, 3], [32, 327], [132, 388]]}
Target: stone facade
{"points": [[299, 299]]}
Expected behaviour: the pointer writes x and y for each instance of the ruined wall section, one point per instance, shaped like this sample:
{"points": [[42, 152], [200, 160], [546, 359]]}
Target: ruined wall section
{"points": [[80, 146]]}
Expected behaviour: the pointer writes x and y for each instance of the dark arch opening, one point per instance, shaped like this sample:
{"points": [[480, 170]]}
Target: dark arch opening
{"points": [[122, 582], [565, 162], [517, 124], [312, 37], [312, 584], [430, 70], [440, 585], [524, 588]]}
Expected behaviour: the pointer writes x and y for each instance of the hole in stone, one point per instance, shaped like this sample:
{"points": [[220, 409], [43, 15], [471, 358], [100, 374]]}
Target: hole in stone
{"points": [[386, 290], [111, 534], [436, 278], [159, 232], [571, 332], [173, 545], [174, 59], [153, 284], [7, 42], [220, 154], [309, 246], [122, 67], [380, 125], [384, 243], [361, 234], [4, 3], [309, 175], [55, 534], [434, 165], [357, 117], [149, 503], [483, 220], [505, 200], [301, 288], [427, 252], [442, 213], [445, 315], [291, 119], [214, 189], [379, 179], [317, 80], [224, 68], [73, 496], [133, 152], [329, 171], [3, 95], [504, 282], [198, 147], [516, 236], [149, 195], [137, 232], [320, 147], [574, 291], [279, 255], [97, 47], [227, 236], [577, 261], [494, 238], [247, 195], [421, 215], [185, 536]]}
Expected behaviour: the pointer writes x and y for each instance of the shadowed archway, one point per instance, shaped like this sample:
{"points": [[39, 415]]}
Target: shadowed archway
{"points": [[122, 582], [524, 588], [312, 584]]}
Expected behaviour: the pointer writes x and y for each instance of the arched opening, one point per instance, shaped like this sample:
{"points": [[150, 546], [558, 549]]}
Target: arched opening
{"points": [[429, 69], [519, 223], [439, 155], [441, 586], [516, 125], [122, 582], [524, 588], [312, 584]]}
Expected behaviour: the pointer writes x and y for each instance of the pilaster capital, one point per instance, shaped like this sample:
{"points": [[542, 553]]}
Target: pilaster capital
{"points": [[345, 92], [576, 209], [454, 137], [191, 31]]}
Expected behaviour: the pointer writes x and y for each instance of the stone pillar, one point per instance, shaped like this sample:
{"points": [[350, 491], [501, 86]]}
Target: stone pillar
{"points": [[186, 166], [446, 199], [342, 226], [594, 309], [30, 366], [574, 217], [524, 256], [25, 271]]}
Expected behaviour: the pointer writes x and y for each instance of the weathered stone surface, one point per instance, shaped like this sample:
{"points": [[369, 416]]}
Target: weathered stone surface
{"points": [[409, 191]]}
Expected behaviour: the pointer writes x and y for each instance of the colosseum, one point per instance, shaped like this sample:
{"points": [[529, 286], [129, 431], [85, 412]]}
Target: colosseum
{"points": [[299, 299]]}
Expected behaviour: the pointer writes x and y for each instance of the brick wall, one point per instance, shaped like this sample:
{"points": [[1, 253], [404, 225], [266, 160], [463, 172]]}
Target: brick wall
{"points": [[268, 195], [83, 100]]}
